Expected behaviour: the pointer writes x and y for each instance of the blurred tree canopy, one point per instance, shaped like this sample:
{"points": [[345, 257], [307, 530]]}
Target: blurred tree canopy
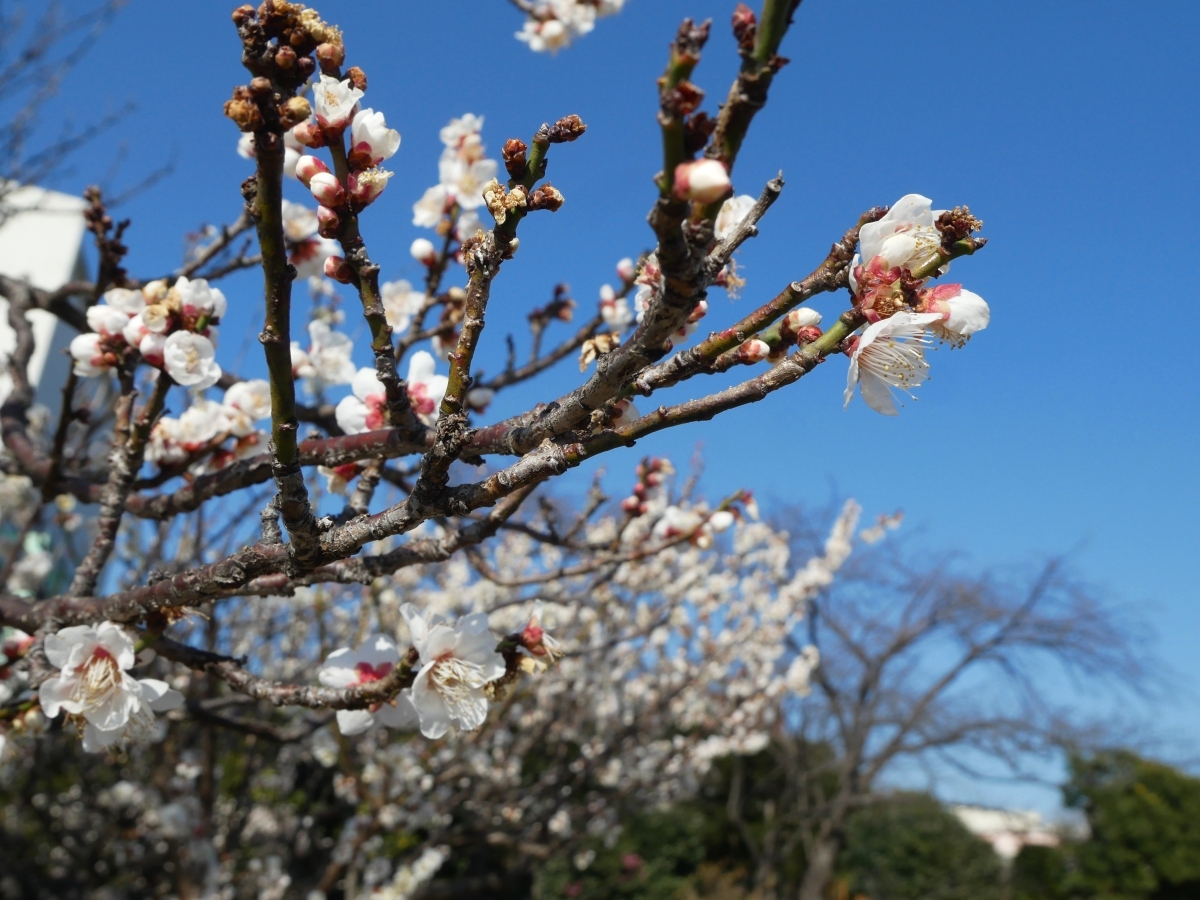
{"points": [[1144, 818]]}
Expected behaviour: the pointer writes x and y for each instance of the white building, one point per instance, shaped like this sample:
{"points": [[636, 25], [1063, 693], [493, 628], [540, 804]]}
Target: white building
{"points": [[1007, 830], [41, 239]]}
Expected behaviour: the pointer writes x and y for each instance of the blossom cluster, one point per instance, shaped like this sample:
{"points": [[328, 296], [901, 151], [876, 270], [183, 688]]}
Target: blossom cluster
{"points": [[172, 327], [903, 310], [463, 172], [554, 24]]}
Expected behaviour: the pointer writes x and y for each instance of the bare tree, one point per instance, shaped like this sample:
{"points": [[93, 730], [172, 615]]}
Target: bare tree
{"points": [[933, 669]]}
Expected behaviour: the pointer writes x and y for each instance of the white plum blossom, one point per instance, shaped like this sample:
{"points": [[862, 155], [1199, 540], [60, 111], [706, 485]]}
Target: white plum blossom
{"points": [[466, 178], [93, 682], [423, 251], [106, 321], [126, 300], [731, 214], [614, 310], [962, 312], [371, 662], [553, 24], [463, 171], [90, 355], [366, 408], [326, 361], [889, 354], [371, 141], [334, 102], [245, 403], [905, 236], [190, 359], [198, 298], [425, 387], [434, 203], [400, 303], [457, 662]]}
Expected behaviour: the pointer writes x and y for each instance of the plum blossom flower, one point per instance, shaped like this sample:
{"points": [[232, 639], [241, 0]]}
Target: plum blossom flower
{"points": [[326, 189], [423, 251], [425, 387], [93, 682], [334, 102], [327, 359], [127, 301], [962, 312], [199, 299], [457, 662], [889, 355], [371, 662], [465, 179], [189, 359], [906, 236], [245, 403], [107, 322], [540, 649], [400, 303], [434, 203], [92, 357], [365, 187], [308, 250], [731, 214], [366, 408], [554, 24], [371, 141], [614, 310], [338, 478]]}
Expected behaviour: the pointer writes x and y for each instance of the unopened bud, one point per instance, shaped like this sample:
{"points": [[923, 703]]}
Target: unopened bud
{"points": [[745, 27], [626, 270], [339, 270], [704, 180], [305, 66], [808, 334], [309, 134], [328, 222], [515, 157], [423, 251], [307, 167], [753, 351], [243, 14], [798, 319], [325, 187], [357, 77], [566, 129], [330, 56], [296, 110], [260, 86], [546, 197], [285, 57], [244, 112]]}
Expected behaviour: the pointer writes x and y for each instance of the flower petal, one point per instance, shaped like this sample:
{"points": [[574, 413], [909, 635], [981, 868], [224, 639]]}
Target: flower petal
{"points": [[354, 721]]}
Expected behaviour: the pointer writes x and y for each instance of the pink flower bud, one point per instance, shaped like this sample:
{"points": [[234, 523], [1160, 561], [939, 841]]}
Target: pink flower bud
{"points": [[753, 351], [626, 270], [328, 222], [309, 134], [808, 334], [339, 270], [307, 167], [423, 251], [327, 189], [705, 180]]}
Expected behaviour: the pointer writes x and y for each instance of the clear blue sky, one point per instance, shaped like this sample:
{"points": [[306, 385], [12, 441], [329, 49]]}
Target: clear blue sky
{"points": [[1070, 426]]}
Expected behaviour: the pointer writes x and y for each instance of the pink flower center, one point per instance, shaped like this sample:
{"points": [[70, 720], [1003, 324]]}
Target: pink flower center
{"points": [[422, 403], [376, 411], [368, 673]]}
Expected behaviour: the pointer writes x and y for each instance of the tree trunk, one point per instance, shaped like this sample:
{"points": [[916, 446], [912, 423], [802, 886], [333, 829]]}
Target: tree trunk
{"points": [[819, 873]]}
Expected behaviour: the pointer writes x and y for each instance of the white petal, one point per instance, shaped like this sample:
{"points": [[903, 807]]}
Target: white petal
{"points": [[159, 695], [418, 628], [430, 707], [379, 649], [877, 394], [351, 415], [969, 313], [96, 739], [60, 645], [55, 694], [338, 669], [366, 384], [399, 714], [116, 707], [117, 641], [354, 721], [421, 367]]}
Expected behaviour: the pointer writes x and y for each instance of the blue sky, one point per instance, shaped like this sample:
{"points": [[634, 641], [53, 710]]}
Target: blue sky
{"points": [[1070, 426]]}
